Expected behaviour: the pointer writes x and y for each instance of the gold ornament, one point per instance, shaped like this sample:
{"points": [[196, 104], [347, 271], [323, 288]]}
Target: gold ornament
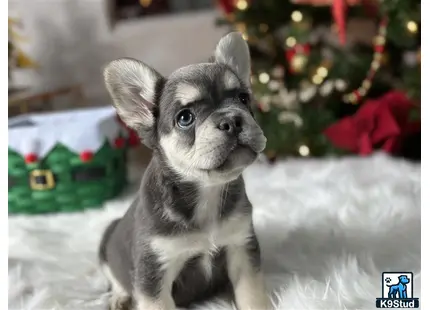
{"points": [[264, 78], [304, 150], [379, 40], [362, 91], [242, 5], [351, 98], [375, 65], [366, 84], [322, 71], [290, 41], [297, 16], [298, 62], [412, 26], [377, 56], [145, 3], [317, 79]]}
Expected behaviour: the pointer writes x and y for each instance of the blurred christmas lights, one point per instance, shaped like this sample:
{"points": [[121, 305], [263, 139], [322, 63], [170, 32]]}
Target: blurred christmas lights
{"points": [[264, 78], [242, 4]]}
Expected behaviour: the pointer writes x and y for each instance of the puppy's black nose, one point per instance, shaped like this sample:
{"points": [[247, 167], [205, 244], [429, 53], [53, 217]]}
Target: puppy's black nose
{"points": [[231, 125]]}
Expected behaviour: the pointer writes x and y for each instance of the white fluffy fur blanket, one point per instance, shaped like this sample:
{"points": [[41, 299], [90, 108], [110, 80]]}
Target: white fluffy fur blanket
{"points": [[327, 229]]}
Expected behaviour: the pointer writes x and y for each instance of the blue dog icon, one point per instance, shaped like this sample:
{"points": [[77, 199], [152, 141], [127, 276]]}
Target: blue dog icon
{"points": [[399, 290]]}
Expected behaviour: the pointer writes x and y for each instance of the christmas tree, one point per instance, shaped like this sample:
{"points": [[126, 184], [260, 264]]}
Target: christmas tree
{"points": [[323, 86], [16, 57]]}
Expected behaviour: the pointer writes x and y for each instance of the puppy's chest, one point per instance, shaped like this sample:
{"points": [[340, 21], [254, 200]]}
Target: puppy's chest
{"points": [[232, 231], [216, 227]]}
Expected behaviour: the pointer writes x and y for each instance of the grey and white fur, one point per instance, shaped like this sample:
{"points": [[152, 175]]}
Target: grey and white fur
{"points": [[188, 235]]}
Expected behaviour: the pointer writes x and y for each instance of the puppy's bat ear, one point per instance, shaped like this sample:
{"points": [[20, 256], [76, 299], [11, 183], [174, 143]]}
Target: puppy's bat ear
{"points": [[233, 51], [133, 87]]}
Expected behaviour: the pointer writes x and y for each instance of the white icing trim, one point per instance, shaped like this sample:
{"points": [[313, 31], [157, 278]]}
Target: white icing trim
{"points": [[80, 130]]}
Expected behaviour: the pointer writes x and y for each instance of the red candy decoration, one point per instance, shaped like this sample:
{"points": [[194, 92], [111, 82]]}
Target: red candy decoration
{"points": [[30, 158], [379, 48], [339, 9], [119, 142], [86, 156]]}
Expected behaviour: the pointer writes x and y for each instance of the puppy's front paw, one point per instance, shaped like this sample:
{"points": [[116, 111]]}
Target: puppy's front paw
{"points": [[253, 300], [146, 303], [120, 303], [261, 304]]}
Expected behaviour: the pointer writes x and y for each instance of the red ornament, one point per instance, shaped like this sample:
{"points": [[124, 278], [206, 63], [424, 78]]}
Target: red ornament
{"points": [[298, 48], [290, 54], [227, 6], [378, 124], [30, 158], [379, 48], [86, 156], [119, 142]]}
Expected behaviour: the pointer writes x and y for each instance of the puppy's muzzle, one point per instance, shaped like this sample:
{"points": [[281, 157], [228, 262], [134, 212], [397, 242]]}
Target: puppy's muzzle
{"points": [[240, 125]]}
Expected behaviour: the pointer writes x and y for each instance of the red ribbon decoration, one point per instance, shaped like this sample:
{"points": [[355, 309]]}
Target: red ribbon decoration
{"points": [[379, 124]]}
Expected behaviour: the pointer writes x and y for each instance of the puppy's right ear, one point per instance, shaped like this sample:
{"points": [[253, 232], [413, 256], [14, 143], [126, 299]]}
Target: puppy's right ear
{"points": [[133, 87]]}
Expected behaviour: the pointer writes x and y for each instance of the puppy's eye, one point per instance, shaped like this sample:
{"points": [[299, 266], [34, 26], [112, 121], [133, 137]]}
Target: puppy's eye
{"points": [[185, 119], [244, 98]]}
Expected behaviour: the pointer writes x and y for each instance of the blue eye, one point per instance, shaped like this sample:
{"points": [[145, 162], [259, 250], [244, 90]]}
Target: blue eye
{"points": [[185, 119], [244, 98]]}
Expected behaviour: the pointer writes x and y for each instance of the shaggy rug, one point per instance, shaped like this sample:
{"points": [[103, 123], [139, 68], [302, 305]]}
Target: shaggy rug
{"points": [[327, 229]]}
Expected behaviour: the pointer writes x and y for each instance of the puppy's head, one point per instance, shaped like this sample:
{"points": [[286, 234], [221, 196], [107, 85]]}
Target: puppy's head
{"points": [[199, 118]]}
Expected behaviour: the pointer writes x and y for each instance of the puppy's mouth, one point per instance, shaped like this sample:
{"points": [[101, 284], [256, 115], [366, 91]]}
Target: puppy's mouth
{"points": [[238, 158]]}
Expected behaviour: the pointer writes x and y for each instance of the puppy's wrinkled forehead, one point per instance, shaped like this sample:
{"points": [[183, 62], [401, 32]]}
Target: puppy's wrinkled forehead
{"points": [[201, 82]]}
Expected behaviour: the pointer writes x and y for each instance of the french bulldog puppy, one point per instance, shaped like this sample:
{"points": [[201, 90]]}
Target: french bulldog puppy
{"points": [[189, 234]]}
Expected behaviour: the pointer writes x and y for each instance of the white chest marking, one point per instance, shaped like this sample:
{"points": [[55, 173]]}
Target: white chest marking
{"points": [[232, 231], [208, 205], [206, 263]]}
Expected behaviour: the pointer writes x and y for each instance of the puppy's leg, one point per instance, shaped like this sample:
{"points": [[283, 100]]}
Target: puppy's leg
{"points": [[120, 299], [243, 265], [154, 280]]}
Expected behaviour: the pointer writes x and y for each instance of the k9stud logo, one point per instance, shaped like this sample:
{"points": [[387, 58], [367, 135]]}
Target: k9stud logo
{"points": [[397, 291]]}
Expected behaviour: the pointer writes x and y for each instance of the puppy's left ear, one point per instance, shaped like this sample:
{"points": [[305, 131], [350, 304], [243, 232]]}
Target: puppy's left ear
{"points": [[233, 51]]}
